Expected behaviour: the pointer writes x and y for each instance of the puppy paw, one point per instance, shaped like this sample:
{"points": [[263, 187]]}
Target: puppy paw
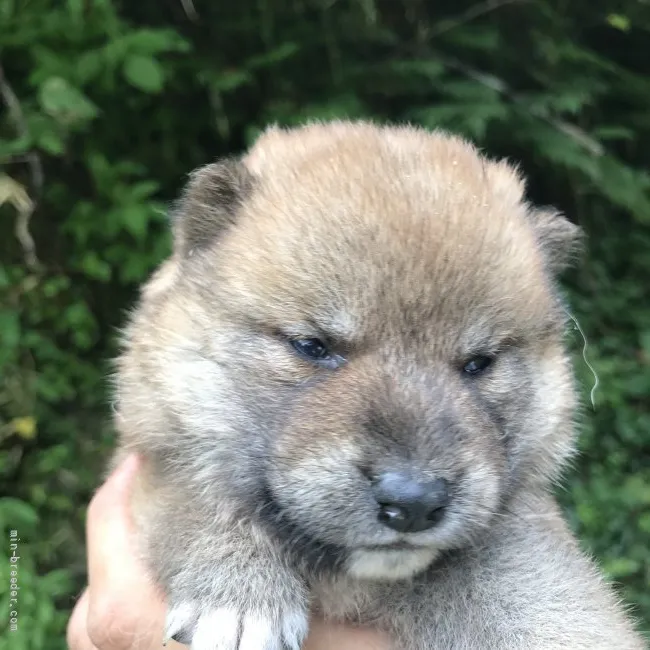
{"points": [[230, 628]]}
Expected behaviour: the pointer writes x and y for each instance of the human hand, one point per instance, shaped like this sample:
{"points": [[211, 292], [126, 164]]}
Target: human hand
{"points": [[121, 609]]}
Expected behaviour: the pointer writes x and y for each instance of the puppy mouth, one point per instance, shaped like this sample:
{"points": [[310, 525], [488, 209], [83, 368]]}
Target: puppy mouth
{"points": [[395, 561], [393, 546]]}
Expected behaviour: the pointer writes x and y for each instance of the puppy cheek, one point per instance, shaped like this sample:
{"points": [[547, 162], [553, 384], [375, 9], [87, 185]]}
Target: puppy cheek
{"points": [[324, 491], [485, 488], [480, 489]]}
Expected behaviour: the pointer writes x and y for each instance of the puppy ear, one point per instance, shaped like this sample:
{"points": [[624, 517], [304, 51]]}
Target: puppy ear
{"points": [[560, 240], [209, 203]]}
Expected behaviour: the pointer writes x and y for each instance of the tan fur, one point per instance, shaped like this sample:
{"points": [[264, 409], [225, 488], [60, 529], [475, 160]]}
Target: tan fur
{"points": [[409, 252]]}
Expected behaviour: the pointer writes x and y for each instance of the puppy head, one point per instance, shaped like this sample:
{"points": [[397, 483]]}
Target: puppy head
{"points": [[359, 339]]}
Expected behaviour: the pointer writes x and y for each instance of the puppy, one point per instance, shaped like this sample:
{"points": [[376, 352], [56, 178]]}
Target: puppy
{"points": [[350, 392]]}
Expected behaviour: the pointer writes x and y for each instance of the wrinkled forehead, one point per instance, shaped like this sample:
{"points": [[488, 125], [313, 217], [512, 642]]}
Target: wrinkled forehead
{"points": [[360, 244]]}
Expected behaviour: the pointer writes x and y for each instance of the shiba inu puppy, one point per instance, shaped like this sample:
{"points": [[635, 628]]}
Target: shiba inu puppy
{"points": [[350, 392]]}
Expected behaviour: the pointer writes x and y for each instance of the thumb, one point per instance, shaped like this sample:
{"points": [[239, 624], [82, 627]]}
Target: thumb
{"points": [[126, 610]]}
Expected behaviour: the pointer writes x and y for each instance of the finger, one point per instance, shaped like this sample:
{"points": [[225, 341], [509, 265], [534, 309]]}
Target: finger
{"points": [[109, 528], [330, 636], [114, 566], [77, 633], [126, 610]]}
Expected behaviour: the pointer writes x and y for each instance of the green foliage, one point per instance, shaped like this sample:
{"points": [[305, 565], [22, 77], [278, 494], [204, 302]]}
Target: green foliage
{"points": [[108, 104]]}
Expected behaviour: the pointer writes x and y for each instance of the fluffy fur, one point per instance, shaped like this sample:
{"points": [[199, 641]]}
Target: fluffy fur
{"points": [[409, 253]]}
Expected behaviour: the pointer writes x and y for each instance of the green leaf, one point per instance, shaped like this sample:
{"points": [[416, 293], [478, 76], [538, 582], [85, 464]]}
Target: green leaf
{"points": [[144, 72], [94, 267], [135, 219], [469, 118], [429, 68], [471, 91], [4, 277], [613, 133], [621, 567], [51, 142], [153, 41], [15, 513], [75, 9], [9, 334], [89, 66], [19, 145], [644, 523], [56, 583], [284, 51], [230, 80], [64, 102], [620, 22], [471, 38]]}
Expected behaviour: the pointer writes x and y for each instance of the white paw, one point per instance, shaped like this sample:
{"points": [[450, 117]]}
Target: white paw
{"points": [[227, 628]]}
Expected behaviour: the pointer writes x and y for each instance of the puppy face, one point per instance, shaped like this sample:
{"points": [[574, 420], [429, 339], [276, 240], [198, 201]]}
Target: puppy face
{"points": [[359, 341]]}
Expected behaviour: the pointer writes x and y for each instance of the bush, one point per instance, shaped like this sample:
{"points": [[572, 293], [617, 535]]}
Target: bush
{"points": [[108, 104]]}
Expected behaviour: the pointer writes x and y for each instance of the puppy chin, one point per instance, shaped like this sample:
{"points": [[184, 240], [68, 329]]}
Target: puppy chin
{"points": [[389, 564]]}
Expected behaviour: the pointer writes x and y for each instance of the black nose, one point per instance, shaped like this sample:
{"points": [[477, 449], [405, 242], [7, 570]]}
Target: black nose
{"points": [[407, 505]]}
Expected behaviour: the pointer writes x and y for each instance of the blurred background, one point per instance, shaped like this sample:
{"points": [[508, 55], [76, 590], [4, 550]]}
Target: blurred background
{"points": [[106, 105]]}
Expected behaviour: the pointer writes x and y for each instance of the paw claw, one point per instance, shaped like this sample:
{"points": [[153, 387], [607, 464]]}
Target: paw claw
{"points": [[178, 618]]}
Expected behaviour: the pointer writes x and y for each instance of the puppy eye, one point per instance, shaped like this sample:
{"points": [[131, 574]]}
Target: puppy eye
{"points": [[476, 365], [313, 349]]}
